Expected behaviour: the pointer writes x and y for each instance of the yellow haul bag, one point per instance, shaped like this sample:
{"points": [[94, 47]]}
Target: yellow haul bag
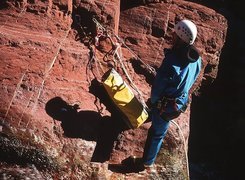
{"points": [[124, 99]]}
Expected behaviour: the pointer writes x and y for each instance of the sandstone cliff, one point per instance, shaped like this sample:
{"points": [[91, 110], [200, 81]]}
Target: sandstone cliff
{"points": [[50, 61]]}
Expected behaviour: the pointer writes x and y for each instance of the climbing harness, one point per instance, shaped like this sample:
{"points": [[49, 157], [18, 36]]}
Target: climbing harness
{"points": [[162, 105]]}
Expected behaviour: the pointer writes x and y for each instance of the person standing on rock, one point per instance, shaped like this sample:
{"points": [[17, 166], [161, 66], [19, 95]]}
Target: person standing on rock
{"points": [[170, 91]]}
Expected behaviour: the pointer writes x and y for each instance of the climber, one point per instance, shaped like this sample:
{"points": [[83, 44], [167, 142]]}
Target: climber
{"points": [[170, 91]]}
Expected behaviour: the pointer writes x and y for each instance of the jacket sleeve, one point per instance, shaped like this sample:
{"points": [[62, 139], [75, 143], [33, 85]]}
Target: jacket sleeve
{"points": [[164, 78]]}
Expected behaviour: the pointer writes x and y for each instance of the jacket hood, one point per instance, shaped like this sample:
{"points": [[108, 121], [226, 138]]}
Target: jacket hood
{"points": [[188, 53], [192, 54]]}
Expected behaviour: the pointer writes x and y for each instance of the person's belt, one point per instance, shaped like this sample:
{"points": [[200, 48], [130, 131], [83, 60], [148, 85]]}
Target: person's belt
{"points": [[162, 104]]}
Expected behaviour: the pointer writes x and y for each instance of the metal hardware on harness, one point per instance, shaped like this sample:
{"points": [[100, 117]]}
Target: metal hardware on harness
{"points": [[162, 103]]}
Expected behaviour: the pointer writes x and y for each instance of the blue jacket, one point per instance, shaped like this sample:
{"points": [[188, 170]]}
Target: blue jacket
{"points": [[175, 77]]}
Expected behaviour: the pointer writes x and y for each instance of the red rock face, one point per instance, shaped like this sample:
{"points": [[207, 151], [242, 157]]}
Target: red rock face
{"points": [[47, 66]]}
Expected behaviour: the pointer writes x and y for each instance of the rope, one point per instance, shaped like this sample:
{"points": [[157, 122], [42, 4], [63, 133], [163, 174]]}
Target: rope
{"points": [[166, 24], [89, 65], [140, 96], [148, 67], [185, 147], [92, 58], [22, 77], [119, 58], [46, 73], [27, 105], [14, 95]]}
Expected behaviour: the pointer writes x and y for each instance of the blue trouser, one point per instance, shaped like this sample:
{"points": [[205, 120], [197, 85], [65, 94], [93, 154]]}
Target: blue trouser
{"points": [[155, 137]]}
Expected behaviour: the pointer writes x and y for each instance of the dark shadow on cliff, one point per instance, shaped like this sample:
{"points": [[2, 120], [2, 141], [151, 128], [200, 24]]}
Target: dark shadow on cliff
{"points": [[128, 4], [89, 125], [3, 4], [97, 89], [215, 148], [84, 25], [82, 124], [123, 169], [235, 6], [111, 127], [128, 165], [140, 69], [209, 119]]}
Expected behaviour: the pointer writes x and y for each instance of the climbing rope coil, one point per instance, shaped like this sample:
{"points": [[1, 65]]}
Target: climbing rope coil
{"points": [[117, 57]]}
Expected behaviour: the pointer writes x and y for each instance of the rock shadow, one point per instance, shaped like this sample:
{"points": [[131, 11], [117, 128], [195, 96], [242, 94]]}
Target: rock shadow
{"points": [[127, 4], [140, 69], [84, 25], [3, 4], [89, 125], [75, 124], [128, 165], [111, 126]]}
